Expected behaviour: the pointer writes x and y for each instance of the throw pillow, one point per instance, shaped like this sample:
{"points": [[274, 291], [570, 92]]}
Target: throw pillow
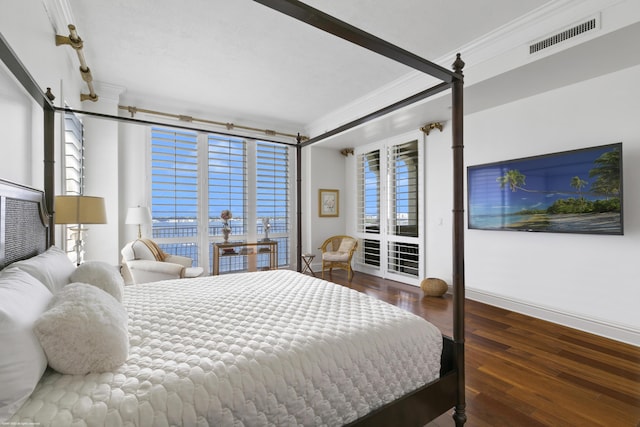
{"points": [[101, 275], [84, 330]]}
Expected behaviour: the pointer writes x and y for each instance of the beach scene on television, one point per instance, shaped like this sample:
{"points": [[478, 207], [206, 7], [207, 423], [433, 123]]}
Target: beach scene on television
{"points": [[577, 191]]}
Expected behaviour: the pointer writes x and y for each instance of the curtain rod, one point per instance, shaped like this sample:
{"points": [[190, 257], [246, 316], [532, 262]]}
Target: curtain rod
{"points": [[151, 122], [77, 44], [133, 110]]}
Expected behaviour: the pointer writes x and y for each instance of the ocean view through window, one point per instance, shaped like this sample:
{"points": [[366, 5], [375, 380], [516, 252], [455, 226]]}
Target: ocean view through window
{"points": [[195, 176]]}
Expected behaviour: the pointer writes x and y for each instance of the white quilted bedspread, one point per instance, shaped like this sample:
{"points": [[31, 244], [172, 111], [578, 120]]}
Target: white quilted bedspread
{"points": [[273, 348]]}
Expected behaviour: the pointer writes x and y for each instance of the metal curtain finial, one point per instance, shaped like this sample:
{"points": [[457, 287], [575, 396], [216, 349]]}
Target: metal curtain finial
{"points": [[431, 126], [50, 96]]}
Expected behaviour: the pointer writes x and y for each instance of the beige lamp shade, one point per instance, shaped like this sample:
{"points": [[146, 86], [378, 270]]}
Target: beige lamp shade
{"points": [[80, 210]]}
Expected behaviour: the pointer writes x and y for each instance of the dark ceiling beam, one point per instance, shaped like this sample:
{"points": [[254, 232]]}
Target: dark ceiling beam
{"points": [[338, 28], [379, 113]]}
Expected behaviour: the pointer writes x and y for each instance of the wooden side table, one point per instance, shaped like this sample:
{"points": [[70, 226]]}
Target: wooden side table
{"points": [[248, 250], [308, 259]]}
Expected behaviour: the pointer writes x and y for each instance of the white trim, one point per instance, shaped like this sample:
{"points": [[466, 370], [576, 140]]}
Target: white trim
{"points": [[60, 15], [615, 331], [515, 36]]}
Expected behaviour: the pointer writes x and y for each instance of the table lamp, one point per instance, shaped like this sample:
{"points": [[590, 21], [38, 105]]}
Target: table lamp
{"points": [[79, 210], [138, 216]]}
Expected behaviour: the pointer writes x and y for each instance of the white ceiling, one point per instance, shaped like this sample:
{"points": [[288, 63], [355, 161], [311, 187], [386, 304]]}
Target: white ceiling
{"points": [[243, 63], [238, 61]]}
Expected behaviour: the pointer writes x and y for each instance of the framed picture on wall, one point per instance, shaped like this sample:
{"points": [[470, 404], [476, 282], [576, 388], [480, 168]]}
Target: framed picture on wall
{"points": [[328, 202], [578, 191]]}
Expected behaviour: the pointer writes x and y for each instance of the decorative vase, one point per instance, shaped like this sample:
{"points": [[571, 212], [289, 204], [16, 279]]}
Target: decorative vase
{"points": [[266, 225], [226, 230]]}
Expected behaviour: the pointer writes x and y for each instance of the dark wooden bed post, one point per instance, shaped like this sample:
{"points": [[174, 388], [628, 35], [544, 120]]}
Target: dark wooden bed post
{"points": [[457, 146], [299, 203], [15, 66], [49, 171]]}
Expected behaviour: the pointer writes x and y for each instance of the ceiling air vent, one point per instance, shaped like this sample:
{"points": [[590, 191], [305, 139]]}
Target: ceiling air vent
{"points": [[584, 27]]}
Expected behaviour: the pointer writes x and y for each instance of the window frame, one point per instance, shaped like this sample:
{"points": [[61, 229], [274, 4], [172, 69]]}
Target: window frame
{"points": [[203, 238]]}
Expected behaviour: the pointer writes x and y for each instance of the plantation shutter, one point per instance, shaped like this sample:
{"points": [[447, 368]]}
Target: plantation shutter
{"points": [[73, 171], [403, 191], [174, 189], [227, 162], [402, 165], [272, 194], [369, 207], [73, 155]]}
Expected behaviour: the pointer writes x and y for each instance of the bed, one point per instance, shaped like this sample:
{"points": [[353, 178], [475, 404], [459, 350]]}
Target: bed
{"points": [[268, 348], [429, 394]]}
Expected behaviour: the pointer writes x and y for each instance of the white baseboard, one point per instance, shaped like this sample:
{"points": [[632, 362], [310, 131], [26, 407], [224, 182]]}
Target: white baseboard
{"points": [[618, 332]]}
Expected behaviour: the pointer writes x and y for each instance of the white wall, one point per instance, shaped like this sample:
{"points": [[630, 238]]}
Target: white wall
{"points": [[133, 161], [102, 175], [439, 202], [322, 168], [587, 281], [29, 32], [16, 129]]}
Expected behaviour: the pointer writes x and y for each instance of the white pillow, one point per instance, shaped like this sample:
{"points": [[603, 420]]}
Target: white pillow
{"points": [[84, 330], [22, 361], [53, 268], [102, 275]]}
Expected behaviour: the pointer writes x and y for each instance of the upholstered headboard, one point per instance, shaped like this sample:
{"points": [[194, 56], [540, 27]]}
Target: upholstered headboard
{"points": [[23, 223]]}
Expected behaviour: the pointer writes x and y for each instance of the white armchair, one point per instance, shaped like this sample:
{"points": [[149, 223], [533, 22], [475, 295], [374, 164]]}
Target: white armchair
{"points": [[143, 261]]}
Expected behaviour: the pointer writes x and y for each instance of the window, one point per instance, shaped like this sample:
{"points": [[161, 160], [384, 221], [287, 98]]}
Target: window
{"points": [[388, 206], [272, 195], [174, 191], [73, 155], [227, 183], [402, 166], [73, 166], [369, 206], [249, 178]]}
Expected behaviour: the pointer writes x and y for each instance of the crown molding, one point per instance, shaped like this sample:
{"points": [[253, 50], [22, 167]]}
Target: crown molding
{"points": [[60, 15], [108, 92]]}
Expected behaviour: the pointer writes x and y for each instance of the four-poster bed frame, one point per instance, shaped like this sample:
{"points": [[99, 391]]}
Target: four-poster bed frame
{"points": [[428, 402]]}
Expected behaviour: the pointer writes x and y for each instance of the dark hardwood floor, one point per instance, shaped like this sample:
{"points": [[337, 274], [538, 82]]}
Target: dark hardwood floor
{"points": [[522, 371]]}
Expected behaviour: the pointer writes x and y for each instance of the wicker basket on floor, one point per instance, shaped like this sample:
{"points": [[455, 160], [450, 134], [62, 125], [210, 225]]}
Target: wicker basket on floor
{"points": [[434, 287]]}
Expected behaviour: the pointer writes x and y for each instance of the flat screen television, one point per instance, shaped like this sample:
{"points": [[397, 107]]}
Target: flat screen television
{"points": [[578, 191]]}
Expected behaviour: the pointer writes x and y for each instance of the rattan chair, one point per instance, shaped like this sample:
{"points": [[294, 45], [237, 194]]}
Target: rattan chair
{"points": [[337, 252]]}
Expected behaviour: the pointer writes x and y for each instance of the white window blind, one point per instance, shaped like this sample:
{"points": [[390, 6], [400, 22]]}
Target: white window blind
{"points": [[369, 207], [73, 154], [174, 190], [73, 171], [249, 178], [227, 160], [272, 194]]}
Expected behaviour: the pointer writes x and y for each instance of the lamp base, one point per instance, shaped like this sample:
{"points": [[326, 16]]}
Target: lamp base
{"points": [[79, 243]]}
